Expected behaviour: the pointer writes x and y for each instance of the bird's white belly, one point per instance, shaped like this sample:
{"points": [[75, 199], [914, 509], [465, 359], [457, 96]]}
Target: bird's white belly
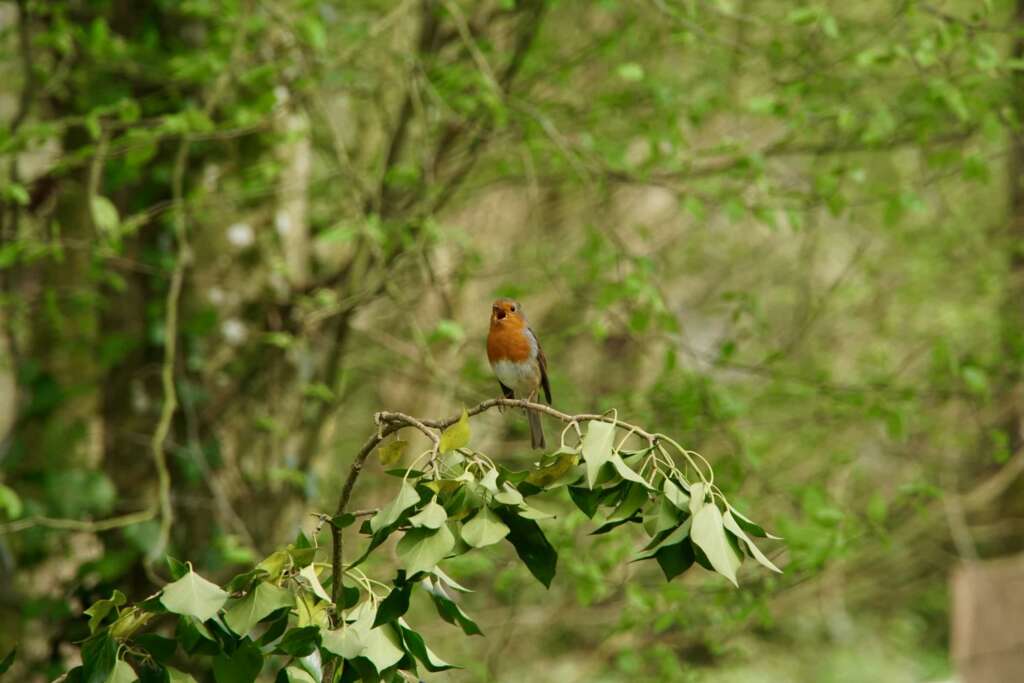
{"points": [[522, 378]]}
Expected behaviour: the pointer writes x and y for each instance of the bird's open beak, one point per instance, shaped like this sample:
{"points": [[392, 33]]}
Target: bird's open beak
{"points": [[499, 313]]}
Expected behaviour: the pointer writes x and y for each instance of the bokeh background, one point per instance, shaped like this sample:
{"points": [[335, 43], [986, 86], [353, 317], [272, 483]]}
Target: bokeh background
{"points": [[789, 234]]}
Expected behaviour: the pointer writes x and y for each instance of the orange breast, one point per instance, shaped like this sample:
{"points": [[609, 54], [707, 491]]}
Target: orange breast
{"points": [[507, 343]]}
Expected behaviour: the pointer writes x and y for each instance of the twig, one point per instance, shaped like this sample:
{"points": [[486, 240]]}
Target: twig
{"points": [[170, 402], [78, 524]]}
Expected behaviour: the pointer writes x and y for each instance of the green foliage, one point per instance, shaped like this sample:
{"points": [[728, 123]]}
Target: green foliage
{"points": [[281, 608], [777, 232]]}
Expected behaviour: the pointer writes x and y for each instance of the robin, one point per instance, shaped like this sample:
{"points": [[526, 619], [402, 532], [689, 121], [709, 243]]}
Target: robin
{"points": [[517, 360]]}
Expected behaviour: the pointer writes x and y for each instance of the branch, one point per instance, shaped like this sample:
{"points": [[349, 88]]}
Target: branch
{"points": [[390, 422], [78, 524]]}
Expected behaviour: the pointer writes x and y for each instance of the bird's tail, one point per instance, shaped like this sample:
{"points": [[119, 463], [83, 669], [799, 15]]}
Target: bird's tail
{"points": [[536, 431]]}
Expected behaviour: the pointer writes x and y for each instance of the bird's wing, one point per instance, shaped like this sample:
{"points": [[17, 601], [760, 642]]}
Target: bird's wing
{"points": [[543, 362]]}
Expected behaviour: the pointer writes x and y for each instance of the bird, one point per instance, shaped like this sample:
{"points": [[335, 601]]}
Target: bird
{"points": [[518, 360]]}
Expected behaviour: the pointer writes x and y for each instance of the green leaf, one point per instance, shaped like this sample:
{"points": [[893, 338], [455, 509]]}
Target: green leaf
{"points": [[675, 559], [530, 512], [194, 596], [531, 546], [301, 641], [508, 495], [390, 513], [99, 656], [432, 516], [587, 500], [99, 610], [484, 529], [456, 436], [551, 474], [750, 526], [309, 574], [122, 673], [349, 641], [708, 534], [391, 452], [241, 666], [244, 614], [453, 614], [8, 660], [294, 674], [449, 580], [664, 540], [730, 523], [664, 516], [597, 448], [626, 472], [697, 492], [394, 605], [275, 564], [675, 495], [177, 569], [415, 645], [10, 502], [104, 214], [160, 648], [421, 549], [175, 676], [383, 647]]}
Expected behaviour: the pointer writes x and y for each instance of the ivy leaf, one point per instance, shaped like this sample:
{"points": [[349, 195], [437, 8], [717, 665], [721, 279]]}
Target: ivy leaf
{"points": [[730, 523], [300, 641], [708, 534], [675, 559], [508, 495], [449, 580], [383, 647], [597, 448], [530, 512], [432, 516], [676, 495], [242, 616], [414, 643], [194, 596], [625, 471], [241, 666], [99, 610], [309, 574], [99, 656], [349, 641], [531, 546], [587, 500], [122, 673], [750, 526], [490, 481], [294, 674], [392, 452], [160, 648], [421, 549], [696, 498], [394, 605], [175, 676], [484, 529], [453, 614], [389, 514], [456, 436], [565, 460]]}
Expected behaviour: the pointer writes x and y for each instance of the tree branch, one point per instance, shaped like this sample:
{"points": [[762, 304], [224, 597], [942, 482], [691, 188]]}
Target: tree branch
{"points": [[389, 422]]}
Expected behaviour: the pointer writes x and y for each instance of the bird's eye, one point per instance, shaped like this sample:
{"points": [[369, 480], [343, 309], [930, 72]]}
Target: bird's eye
{"points": [[512, 308]]}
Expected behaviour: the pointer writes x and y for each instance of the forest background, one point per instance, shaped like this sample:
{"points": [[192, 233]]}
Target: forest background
{"points": [[790, 234]]}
